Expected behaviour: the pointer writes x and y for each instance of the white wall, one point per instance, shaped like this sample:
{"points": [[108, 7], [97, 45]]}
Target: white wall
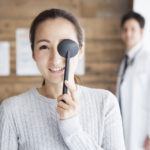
{"points": [[143, 7]]}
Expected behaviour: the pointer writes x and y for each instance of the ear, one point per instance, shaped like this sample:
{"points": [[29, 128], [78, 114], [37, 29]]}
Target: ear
{"points": [[142, 31], [82, 51]]}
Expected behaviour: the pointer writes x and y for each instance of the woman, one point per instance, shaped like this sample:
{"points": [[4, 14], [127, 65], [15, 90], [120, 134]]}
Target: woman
{"points": [[38, 119]]}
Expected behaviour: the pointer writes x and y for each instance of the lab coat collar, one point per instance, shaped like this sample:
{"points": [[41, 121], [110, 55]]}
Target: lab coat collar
{"points": [[133, 52]]}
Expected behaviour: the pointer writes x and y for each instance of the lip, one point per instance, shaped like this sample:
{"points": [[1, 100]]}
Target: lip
{"points": [[57, 70]]}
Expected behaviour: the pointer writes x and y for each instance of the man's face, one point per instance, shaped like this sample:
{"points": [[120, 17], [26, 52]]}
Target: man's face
{"points": [[131, 33]]}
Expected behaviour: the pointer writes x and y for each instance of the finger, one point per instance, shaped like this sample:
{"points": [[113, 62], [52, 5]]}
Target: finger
{"points": [[60, 98], [63, 105], [72, 89], [60, 110], [68, 99], [63, 97], [61, 113]]}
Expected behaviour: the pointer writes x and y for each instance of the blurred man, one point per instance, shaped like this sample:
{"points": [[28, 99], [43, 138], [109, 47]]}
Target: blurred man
{"points": [[133, 87]]}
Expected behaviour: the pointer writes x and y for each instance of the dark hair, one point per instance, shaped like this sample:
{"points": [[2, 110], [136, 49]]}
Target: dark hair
{"points": [[53, 14], [133, 15]]}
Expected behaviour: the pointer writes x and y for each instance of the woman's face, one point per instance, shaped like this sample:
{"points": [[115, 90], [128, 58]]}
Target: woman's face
{"points": [[47, 37]]}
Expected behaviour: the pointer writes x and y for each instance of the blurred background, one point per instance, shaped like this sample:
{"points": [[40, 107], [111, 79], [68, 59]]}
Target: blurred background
{"points": [[103, 51]]}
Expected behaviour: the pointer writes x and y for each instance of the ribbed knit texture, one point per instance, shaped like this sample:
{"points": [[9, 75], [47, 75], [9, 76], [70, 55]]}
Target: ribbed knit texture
{"points": [[30, 122]]}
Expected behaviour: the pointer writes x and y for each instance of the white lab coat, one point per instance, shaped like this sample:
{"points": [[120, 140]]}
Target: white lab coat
{"points": [[135, 100]]}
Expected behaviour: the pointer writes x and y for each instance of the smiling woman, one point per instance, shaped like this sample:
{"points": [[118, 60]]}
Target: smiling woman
{"points": [[39, 119], [45, 53]]}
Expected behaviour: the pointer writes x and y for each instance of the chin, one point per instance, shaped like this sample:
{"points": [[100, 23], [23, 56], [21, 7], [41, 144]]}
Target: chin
{"points": [[131, 45]]}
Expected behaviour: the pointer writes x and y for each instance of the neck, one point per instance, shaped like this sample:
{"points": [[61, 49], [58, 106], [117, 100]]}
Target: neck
{"points": [[52, 90], [130, 47]]}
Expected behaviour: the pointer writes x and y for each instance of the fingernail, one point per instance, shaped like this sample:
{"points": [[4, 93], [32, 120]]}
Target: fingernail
{"points": [[66, 81]]}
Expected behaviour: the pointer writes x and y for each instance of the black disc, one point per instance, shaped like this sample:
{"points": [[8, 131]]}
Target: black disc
{"points": [[67, 45]]}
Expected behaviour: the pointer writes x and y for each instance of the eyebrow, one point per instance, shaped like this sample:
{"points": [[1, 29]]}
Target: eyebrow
{"points": [[43, 40]]}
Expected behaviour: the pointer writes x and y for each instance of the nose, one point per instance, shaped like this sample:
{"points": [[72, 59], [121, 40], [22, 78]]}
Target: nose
{"points": [[128, 33], [55, 58]]}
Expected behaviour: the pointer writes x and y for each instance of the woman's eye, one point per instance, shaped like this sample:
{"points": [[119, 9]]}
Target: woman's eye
{"points": [[43, 47]]}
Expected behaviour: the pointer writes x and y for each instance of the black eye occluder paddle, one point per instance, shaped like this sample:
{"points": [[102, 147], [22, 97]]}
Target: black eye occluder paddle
{"points": [[67, 48]]}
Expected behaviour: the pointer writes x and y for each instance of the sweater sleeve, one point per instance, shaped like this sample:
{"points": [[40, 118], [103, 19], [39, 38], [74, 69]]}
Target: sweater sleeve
{"points": [[77, 139], [8, 138], [113, 132]]}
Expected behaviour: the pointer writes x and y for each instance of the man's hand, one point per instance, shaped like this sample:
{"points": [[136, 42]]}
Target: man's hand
{"points": [[147, 143]]}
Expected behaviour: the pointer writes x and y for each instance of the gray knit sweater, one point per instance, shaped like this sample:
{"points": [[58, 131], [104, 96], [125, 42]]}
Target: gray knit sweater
{"points": [[30, 122]]}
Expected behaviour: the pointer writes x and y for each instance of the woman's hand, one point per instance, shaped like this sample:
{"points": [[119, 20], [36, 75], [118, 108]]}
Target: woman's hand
{"points": [[147, 144], [70, 107]]}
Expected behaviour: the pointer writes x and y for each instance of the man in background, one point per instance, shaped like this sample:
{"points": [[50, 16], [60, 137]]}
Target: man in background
{"points": [[133, 87]]}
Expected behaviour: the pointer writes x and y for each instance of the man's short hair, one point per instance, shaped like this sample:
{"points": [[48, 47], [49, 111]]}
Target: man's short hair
{"points": [[133, 15]]}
